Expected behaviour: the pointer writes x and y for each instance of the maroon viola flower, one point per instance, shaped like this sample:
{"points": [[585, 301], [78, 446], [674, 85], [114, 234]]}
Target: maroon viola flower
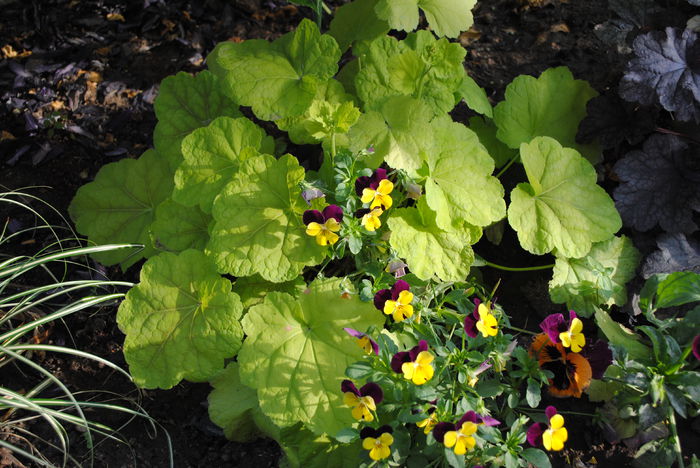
{"points": [[441, 429], [364, 341], [369, 389], [371, 182], [315, 216], [384, 295], [534, 432], [369, 431], [555, 324], [472, 416], [471, 320], [599, 356], [407, 356], [696, 347]]}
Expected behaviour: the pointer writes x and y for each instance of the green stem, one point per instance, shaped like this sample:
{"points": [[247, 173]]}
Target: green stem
{"points": [[508, 164], [501, 267], [326, 9], [674, 437], [521, 330]]}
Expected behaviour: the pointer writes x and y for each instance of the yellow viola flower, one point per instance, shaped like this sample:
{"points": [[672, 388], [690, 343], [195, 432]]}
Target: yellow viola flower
{"points": [[420, 370], [573, 338], [379, 197], [401, 308], [377, 441], [371, 221], [363, 402], [554, 437], [428, 423], [324, 225], [461, 439], [487, 323]]}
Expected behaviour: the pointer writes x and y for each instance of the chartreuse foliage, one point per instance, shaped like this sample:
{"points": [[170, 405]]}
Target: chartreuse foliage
{"points": [[181, 321], [222, 201], [295, 353]]}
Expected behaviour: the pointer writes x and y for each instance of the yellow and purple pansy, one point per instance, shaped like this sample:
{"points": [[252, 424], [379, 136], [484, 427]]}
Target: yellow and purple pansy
{"points": [[364, 341], [377, 441], [551, 435], [363, 402], [460, 436], [481, 320], [324, 225], [395, 301], [415, 364], [569, 334], [375, 189]]}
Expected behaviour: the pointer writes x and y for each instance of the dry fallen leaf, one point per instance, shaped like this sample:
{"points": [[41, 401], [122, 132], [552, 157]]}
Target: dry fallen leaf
{"points": [[57, 105], [5, 135], [115, 17], [560, 27]]}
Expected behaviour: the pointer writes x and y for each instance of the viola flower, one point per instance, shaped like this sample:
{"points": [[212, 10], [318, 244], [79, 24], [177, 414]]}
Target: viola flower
{"points": [[375, 189], [370, 218], [395, 301], [415, 365], [428, 423], [569, 334], [696, 347], [324, 225], [363, 401], [473, 376], [572, 371], [553, 435], [364, 341], [377, 441], [462, 438], [481, 320]]}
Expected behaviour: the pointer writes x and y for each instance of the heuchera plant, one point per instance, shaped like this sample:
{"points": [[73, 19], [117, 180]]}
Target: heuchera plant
{"points": [[292, 272]]}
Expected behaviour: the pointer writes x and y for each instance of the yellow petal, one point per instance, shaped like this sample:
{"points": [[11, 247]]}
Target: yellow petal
{"points": [[368, 443], [389, 307], [405, 297], [350, 399], [556, 422], [313, 229], [332, 225], [576, 326], [367, 195], [385, 187], [450, 438]]}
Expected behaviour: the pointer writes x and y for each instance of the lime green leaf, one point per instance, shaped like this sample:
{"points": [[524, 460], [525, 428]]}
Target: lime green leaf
{"points": [[622, 337], [181, 321], [399, 133], [177, 227], [234, 407], [184, 103], [357, 21], [419, 66], [296, 352], [430, 251], [561, 208], [486, 131], [669, 290], [332, 112], [212, 155], [258, 226], [551, 105], [606, 268], [277, 79], [304, 449], [253, 289], [459, 184], [474, 96], [119, 206], [445, 17]]}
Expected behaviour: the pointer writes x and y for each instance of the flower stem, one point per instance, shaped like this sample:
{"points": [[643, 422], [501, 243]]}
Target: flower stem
{"points": [[501, 267], [508, 164], [674, 436], [521, 330]]}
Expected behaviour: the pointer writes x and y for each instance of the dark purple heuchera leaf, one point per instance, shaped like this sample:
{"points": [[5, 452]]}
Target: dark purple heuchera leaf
{"points": [[667, 70], [660, 185], [610, 121], [676, 253]]}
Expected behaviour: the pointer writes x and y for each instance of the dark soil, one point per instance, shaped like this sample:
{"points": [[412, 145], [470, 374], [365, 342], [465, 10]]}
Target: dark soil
{"points": [[77, 82]]}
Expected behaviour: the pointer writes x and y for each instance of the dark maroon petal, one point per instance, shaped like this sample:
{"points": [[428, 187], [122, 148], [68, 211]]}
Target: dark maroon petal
{"points": [[333, 211], [696, 347], [422, 346], [380, 298], [441, 429], [368, 431], [373, 390], [385, 429], [313, 216], [361, 183], [398, 360], [572, 316], [470, 416], [599, 356], [534, 434], [470, 326], [375, 346], [377, 176], [361, 212], [399, 286], [553, 325], [550, 411], [347, 386], [475, 313]]}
